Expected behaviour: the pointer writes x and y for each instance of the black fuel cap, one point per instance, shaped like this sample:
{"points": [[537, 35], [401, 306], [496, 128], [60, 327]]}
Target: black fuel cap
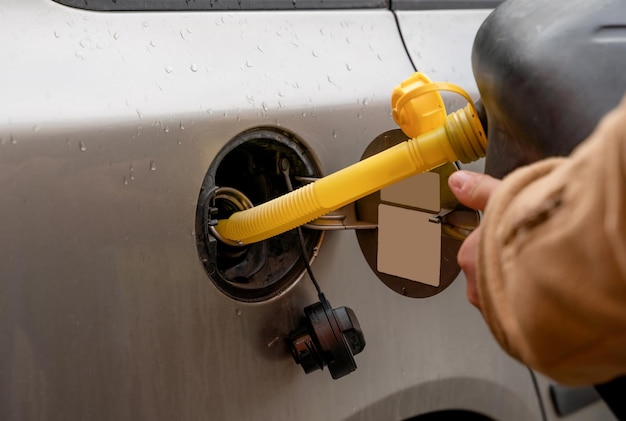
{"points": [[327, 337]]}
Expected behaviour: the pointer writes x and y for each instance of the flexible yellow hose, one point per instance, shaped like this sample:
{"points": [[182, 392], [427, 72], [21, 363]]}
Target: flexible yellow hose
{"points": [[460, 138]]}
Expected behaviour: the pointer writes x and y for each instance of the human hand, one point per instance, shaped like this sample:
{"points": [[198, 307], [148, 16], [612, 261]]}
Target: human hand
{"points": [[473, 190]]}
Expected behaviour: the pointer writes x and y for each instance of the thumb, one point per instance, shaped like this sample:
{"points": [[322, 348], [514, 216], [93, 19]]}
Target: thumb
{"points": [[472, 189]]}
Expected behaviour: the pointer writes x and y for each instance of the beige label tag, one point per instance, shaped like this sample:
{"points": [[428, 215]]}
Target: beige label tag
{"points": [[420, 191], [409, 246]]}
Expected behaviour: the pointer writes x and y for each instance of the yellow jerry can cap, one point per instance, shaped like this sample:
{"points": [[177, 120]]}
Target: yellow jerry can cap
{"points": [[417, 106]]}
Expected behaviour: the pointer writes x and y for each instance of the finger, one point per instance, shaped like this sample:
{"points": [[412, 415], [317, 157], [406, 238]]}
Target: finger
{"points": [[472, 189], [467, 258]]}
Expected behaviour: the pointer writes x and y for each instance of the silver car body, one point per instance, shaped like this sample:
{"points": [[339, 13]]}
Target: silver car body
{"points": [[108, 123]]}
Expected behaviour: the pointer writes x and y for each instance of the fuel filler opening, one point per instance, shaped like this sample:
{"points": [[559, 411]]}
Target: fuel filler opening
{"points": [[245, 173]]}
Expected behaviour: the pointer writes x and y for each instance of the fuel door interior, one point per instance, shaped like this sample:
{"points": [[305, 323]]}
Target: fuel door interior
{"points": [[420, 227]]}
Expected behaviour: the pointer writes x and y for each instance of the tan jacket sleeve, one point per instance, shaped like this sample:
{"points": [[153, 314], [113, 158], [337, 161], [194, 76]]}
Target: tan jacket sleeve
{"points": [[552, 260]]}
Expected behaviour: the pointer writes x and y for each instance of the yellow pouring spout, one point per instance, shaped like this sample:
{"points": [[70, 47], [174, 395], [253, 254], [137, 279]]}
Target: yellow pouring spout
{"points": [[460, 138]]}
